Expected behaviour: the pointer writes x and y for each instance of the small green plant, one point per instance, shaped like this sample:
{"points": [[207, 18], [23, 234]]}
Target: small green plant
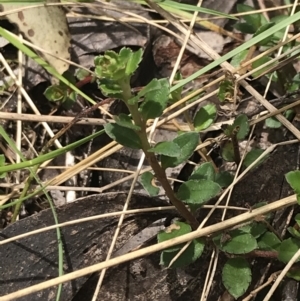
{"points": [[258, 239], [62, 92], [113, 73]]}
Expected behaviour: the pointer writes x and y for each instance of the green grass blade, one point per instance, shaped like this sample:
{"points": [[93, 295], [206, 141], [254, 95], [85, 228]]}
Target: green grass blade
{"points": [[178, 8], [187, 7], [239, 49], [42, 158]]}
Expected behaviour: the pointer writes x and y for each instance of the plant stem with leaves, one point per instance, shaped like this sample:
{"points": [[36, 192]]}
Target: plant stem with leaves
{"points": [[150, 156]]}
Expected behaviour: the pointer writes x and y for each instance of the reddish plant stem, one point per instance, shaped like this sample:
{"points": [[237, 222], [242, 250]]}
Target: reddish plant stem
{"points": [[88, 79], [161, 177], [264, 254], [158, 170]]}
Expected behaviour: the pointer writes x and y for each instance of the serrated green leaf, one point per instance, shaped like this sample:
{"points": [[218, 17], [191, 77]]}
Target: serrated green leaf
{"points": [[156, 99], [268, 242], [190, 255], [107, 66], [125, 121], [117, 66], [111, 55], [236, 276], [134, 61], [205, 117], [239, 243], [98, 69], [146, 181], [187, 143], [167, 148], [123, 135], [124, 55], [287, 249], [224, 178], [153, 86], [161, 83], [293, 178], [205, 171], [252, 156], [227, 151], [110, 88], [174, 230], [198, 191]]}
